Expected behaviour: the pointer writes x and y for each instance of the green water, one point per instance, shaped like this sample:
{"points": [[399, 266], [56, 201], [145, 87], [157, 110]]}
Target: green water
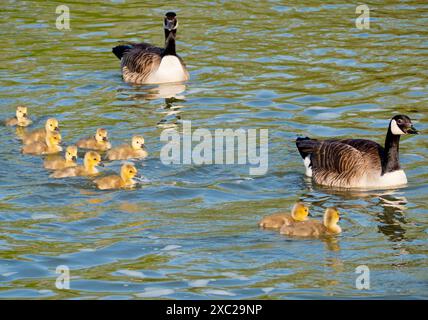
{"points": [[190, 232]]}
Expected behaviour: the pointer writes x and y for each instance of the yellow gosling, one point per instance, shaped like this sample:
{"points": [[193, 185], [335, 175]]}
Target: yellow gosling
{"points": [[39, 135], [299, 213], [50, 146], [127, 172], [134, 151], [91, 160], [98, 142], [21, 118], [312, 228], [68, 161]]}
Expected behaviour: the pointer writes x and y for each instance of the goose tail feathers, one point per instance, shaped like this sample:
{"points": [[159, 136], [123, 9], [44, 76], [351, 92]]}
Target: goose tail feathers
{"points": [[306, 146], [120, 50]]}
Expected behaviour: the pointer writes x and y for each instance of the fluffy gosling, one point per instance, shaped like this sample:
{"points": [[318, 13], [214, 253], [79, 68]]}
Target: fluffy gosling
{"points": [[91, 160], [127, 172], [311, 228], [299, 213], [50, 146], [134, 151], [39, 135], [21, 118], [98, 142], [68, 161]]}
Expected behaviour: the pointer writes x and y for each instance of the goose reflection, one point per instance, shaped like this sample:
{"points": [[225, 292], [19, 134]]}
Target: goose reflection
{"points": [[171, 93], [389, 205]]}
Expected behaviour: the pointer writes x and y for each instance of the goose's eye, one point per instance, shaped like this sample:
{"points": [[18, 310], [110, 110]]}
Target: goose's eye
{"points": [[399, 121]]}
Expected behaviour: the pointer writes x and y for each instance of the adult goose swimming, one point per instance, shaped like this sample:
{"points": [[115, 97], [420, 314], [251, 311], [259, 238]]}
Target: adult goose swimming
{"points": [[144, 63], [357, 163]]}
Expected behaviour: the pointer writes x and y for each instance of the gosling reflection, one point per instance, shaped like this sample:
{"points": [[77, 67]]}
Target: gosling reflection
{"points": [[332, 244]]}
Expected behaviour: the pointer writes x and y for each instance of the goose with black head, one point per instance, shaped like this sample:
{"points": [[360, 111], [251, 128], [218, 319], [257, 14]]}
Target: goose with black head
{"points": [[143, 63], [357, 163]]}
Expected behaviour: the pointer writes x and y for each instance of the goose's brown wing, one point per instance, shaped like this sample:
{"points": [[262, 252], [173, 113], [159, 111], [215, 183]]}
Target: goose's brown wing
{"points": [[335, 163], [142, 58]]}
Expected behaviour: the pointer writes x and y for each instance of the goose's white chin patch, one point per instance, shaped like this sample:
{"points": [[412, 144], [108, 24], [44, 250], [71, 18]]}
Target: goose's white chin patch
{"points": [[395, 129], [307, 163], [170, 70]]}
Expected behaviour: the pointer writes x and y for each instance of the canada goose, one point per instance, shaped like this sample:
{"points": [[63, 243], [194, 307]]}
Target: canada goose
{"points": [[39, 135], [312, 228], [299, 212], [134, 151], [357, 163], [98, 142], [127, 172], [50, 146], [144, 63], [91, 160], [21, 118], [69, 160]]}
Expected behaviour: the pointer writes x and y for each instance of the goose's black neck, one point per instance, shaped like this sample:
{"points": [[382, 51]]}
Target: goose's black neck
{"points": [[391, 160], [169, 43]]}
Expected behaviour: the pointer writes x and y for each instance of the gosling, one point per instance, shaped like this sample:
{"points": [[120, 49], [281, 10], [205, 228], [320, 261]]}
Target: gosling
{"points": [[50, 146], [68, 161], [134, 151], [329, 226], [39, 135], [21, 118], [299, 213], [98, 142], [91, 160], [127, 172]]}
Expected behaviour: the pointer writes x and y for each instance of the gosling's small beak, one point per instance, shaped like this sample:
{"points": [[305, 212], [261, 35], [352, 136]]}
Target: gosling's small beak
{"points": [[143, 146], [24, 115], [74, 158], [56, 129], [104, 138], [101, 164], [412, 130]]}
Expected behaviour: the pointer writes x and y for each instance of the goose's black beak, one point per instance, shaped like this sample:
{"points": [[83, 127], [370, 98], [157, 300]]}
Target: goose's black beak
{"points": [[56, 129], [74, 158], [412, 130], [24, 115], [104, 138], [101, 164]]}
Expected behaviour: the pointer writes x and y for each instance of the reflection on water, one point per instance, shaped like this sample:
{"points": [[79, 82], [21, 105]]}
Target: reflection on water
{"points": [[191, 232]]}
